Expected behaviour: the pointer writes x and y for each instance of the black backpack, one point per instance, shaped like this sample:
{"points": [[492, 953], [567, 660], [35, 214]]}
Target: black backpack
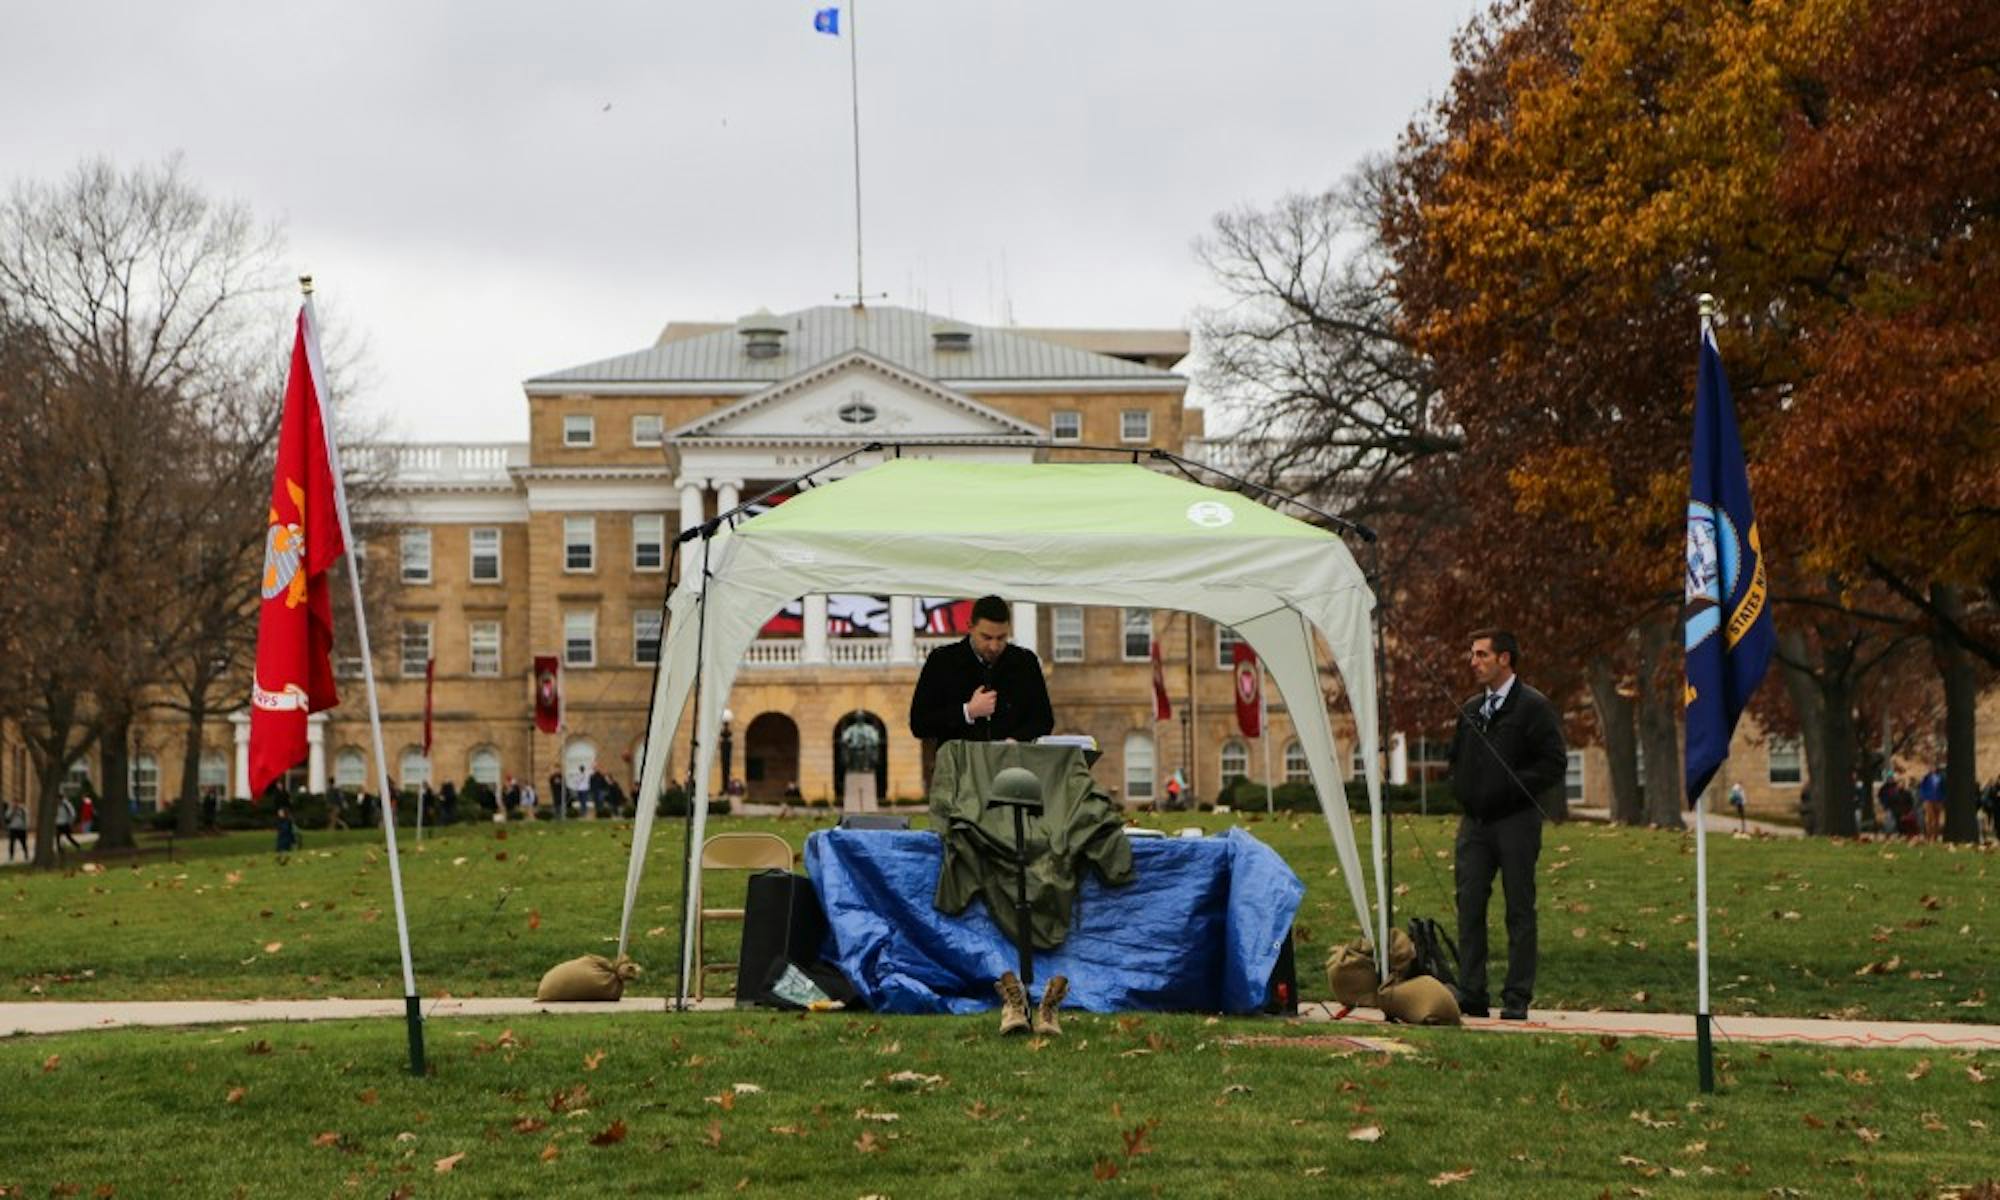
{"points": [[1437, 954]]}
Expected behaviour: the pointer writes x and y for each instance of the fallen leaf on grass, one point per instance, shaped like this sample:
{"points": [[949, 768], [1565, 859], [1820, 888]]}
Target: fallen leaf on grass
{"points": [[713, 1138], [613, 1134], [444, 1166], [260, 1046], [367, 1096], [1975, 1074], [549, 1152], [530, 1125], [273, 947], [593, 1060], [1447, 1178], [329, 1138], [1104, 1170], [862, 1114], [980, 1111], [788, 1130], [1813, 1122], [1365, 1133], [1635, 1063], [1888, 966], [867, 1143], [534, 918], [746, 1089], [235, 1096], [1648, 1120], [915, 1079], [1870, 1136], [51, 1063], [1917, 1072]]}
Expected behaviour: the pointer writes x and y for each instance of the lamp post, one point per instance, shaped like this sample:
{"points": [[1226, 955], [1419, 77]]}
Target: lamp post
{"points": [[728, 744]]}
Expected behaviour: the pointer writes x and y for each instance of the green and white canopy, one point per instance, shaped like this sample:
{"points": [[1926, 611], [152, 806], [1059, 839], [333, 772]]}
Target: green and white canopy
{"points": [[1109, 534]]}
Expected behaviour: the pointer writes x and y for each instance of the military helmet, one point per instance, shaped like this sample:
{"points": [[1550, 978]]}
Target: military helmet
{"points": [[1018, 785]]}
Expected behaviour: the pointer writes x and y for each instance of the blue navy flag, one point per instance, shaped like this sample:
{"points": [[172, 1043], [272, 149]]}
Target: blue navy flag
{"points": [[1730, 634], [827, 20]]}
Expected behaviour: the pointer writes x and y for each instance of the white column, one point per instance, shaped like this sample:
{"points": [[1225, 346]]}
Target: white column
{"points": [[316, 754], [815, 631], [902, 629], [691, 492], [1026, 627], [239, 787], [726, 496]]}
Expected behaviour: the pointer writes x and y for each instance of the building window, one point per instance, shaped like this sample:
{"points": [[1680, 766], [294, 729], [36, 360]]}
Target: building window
{"points": [[579, 429], [416, 556], [1783, 754], [646, 637], [648, 429], [1135, 425], [1138, 767], [1067, 624], [579, 543], [1138, 634], [1066, 425], [145, 779], [484, 767], [1297, 768], [580, 639], [485, 642], [416, 646], [1235, 760], [350, 768], [214, 773], [649, 541], [1225, 646], [486, 555], [416, 770], [1573, 778]]}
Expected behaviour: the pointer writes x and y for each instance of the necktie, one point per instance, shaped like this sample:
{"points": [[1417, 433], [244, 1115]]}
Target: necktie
{"points": [[1492, 705]]}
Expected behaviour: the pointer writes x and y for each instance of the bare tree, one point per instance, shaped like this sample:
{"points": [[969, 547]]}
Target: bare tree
{"points": [[148, 308]]}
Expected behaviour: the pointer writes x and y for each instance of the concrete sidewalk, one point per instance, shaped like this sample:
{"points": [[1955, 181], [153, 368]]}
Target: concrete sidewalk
{"points": [[23, 1019]]}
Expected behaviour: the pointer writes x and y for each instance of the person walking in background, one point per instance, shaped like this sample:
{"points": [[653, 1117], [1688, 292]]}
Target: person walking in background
{"points": [[66, 824], [17, 829], [1930, 791], [288, 833], [1506, 754]]}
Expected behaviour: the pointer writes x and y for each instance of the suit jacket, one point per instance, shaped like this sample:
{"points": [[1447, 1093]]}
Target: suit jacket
{"points": [[1507, 764], [952, 673]]}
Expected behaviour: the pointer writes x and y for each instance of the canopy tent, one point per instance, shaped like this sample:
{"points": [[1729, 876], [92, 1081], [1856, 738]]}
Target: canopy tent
{"points": [[1109, 534]]}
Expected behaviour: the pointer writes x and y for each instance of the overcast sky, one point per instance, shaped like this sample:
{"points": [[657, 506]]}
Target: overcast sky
{"points": [[487, 191]]}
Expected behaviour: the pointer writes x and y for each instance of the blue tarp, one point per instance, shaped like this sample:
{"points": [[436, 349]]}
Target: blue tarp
{"points": [[1199, 929]]}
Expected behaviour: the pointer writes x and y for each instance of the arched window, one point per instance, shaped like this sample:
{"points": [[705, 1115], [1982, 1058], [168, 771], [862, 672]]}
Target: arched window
{"points": [[350, 770], [1235, 760], [579, 760], [1138, 767], [484, 766], [416, 770], [1297, 769]]}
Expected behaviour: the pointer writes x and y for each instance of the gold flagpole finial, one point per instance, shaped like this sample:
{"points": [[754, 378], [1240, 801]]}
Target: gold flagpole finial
{"points": [[1707, 303], [306, 285]]}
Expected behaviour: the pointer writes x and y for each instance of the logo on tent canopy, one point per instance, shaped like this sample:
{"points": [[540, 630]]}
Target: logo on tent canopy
{"points": [[1210, 514]]}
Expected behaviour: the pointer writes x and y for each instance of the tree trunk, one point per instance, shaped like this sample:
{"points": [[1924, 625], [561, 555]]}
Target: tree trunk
{"points": [[1660, 706], [1614, 723], [1809, 706], [1961, 709], [1838, 733], [114, 806], [187, 805]]}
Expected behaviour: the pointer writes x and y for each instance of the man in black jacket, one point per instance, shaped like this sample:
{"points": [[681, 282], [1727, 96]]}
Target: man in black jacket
{"points": [[982, 689], [1506, 753]]}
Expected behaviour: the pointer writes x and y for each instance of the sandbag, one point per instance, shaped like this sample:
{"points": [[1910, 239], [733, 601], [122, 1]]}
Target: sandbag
{"points": [[1402, 954], [1419, 1000], [1351, 974], [592, 977]]}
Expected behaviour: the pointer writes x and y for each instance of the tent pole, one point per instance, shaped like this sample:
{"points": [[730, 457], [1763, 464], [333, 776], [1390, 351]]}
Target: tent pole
{"points": [[688, 867]]}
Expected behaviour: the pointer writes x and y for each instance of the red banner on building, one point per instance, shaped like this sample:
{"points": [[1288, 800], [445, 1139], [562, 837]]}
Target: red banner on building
{"points": [[430, 683], [1162, 710], [1249, 689], [548, 693], [301, 543]]}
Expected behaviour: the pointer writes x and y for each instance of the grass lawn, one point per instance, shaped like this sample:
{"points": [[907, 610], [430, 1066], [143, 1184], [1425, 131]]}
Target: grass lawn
{"points": [[845, 1106], [1801, 927]]}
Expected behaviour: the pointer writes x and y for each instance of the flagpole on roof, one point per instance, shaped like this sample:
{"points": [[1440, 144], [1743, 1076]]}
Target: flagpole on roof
{"points": [[854, 96], [1703, 1034], [413, 1015]]}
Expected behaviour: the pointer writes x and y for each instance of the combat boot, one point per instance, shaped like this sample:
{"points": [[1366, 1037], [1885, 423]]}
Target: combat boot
{"points": [[1013, 1005], [1047, 1023]]}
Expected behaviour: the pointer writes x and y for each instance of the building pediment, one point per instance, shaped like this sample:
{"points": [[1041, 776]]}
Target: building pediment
{"points": [[856, 397]]}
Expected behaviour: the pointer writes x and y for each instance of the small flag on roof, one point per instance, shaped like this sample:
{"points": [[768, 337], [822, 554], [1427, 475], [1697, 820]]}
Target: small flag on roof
{"points": [[827, 20]]}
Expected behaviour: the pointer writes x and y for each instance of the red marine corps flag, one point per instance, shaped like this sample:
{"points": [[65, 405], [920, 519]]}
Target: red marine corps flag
{"points": [[303, 541], [548, 693], [1249, 689], [1163, 710]]}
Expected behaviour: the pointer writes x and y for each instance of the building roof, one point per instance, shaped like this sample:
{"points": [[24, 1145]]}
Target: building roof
{"points": [[901, 336]]}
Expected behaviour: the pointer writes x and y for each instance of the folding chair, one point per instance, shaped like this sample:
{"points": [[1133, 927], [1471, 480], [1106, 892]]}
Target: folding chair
{"points": [[733, 852]]}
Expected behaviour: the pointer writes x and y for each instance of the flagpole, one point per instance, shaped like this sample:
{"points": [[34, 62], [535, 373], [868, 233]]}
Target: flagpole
{"points": [[413, 1015], [1264, 736], [1703, 1034], [854, 96]]}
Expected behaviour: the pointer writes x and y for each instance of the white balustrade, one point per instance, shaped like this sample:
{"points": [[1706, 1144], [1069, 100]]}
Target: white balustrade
{"points": [[774, 652], [857, 652]]}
